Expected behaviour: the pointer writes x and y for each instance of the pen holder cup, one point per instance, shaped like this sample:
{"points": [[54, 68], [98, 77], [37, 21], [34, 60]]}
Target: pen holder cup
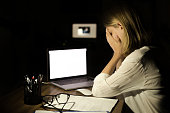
{"points": [[32, 93]]}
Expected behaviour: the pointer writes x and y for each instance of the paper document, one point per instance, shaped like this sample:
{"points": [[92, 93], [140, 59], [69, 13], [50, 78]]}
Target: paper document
{"points": [[83, 103], [44, 111]]}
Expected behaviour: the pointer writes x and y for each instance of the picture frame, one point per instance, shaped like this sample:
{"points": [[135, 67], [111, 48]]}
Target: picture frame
{"points": [[84, 30]]}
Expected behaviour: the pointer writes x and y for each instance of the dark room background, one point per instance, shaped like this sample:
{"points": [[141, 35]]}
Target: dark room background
{"points": [[29, 27]]}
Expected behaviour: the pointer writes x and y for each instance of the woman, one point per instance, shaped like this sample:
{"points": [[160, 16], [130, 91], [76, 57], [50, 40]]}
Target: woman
{"points": [[130, 73]]}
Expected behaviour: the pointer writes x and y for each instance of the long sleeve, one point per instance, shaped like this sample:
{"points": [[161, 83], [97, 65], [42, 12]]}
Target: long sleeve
{"points": [[101, 88], [131, 75], [136, 79], [125, 79]]}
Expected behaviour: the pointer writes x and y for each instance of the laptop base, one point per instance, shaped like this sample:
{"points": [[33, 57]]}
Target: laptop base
{"points": [[74, 85]]}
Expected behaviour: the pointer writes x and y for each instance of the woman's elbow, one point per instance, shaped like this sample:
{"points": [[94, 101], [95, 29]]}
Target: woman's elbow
{"points": [[97, 92], [104, 91]]}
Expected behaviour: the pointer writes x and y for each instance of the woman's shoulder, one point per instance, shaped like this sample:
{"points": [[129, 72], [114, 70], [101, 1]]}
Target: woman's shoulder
{"points": [[133, 60], [137, 54]]}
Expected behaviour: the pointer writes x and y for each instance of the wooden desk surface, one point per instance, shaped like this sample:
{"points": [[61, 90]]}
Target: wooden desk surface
{"points": [[14, 101]]}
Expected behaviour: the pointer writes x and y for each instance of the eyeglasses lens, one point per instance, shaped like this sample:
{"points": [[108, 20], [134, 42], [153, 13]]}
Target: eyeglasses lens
{"points": [[62, 98]]}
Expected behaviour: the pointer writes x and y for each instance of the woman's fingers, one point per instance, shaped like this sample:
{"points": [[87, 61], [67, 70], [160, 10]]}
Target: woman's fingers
{"points": [[113, 36], [107, 34], [117, 39]]}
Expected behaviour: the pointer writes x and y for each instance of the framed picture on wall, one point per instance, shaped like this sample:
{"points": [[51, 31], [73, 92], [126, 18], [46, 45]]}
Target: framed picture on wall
{"points": [[84, 30]]}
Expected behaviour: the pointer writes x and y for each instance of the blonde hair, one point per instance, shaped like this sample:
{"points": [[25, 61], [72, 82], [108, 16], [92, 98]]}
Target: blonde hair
{"points": [[136, 36]]}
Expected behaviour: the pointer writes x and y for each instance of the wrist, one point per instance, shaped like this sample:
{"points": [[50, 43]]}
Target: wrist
{"points": [[117, 56]]}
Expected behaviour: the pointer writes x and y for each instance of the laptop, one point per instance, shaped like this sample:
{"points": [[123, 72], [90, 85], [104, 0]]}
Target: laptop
{"points": [[67, 68]]}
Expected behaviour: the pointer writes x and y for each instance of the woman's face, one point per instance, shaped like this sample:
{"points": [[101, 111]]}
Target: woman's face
{"points": [[116, 30]]}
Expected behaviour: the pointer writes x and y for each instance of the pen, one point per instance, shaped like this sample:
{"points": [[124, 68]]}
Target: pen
{"points": [[29, 89], [27, 79], [41, 76], [33, 80], [36, 81]]}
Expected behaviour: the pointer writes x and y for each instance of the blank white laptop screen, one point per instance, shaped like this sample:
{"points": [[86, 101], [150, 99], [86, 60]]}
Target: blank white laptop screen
{"points": [[67, 63]]}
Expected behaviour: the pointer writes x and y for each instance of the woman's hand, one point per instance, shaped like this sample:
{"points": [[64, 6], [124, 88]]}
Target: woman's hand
{"points": [[114, 42]]}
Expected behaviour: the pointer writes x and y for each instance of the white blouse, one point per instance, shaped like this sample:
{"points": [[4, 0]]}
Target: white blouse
{"points": [[138, 84]]}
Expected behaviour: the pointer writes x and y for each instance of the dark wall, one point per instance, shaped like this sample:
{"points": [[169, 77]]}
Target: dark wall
{"points": [[29, 27]]}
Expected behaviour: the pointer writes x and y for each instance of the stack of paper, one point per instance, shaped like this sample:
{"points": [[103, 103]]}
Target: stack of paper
{"points": [[44, 111], [83, 103]]}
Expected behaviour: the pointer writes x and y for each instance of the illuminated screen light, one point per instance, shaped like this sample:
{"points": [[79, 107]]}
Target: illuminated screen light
{"points": [[67, 63]]}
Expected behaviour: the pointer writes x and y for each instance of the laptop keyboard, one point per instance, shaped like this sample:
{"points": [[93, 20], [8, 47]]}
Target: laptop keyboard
{"points": [[72, 80]]}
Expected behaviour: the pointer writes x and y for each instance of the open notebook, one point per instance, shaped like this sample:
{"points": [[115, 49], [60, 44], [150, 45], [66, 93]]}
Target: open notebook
{"points": [[67, 68], [84, 103], [45, 111]]}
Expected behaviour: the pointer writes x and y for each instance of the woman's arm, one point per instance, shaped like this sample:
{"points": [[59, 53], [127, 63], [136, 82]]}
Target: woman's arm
{"points": [[115, 62]]}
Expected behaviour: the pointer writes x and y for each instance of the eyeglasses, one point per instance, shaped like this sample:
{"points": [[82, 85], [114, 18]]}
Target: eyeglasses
{"points": [[58, 101]]}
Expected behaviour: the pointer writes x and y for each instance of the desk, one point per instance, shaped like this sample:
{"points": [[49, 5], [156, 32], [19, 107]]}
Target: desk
{"points": [[14, 101]]}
